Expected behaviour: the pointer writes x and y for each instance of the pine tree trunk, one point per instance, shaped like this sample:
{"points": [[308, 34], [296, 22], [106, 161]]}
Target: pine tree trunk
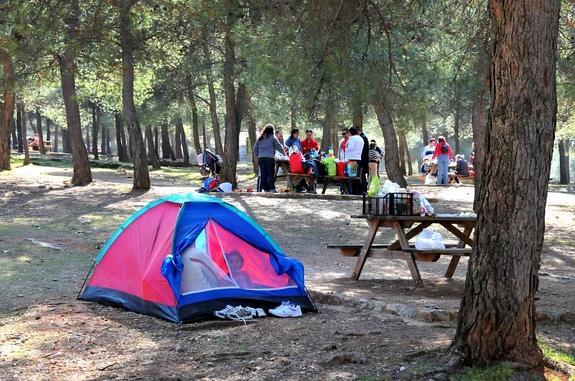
{"points": [[24, 133], [195, 123], [182, 133], [88, 139], [65, 141], [177, 140], [564, 177], [253, 133], [121, 147], [6, 108], [156, 141], [406, 154], [104, 139], [14, 135], [401, 148], [130, 117], [167, 152], [231, 144], [151, 149], [213, 105], [19, 129], [56, 142], [41, 146], [357, 110], [95, 131], [48, 135], [497, 315], [457, 123], [326, 137], [390, 139], [424, 132]]}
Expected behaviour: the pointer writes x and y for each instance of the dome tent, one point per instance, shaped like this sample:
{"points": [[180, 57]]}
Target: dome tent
{"points": [[182, 257]]}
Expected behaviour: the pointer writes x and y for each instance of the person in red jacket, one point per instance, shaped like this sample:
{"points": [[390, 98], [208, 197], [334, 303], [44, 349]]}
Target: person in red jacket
{"points": [[443, 155], [309, 143]]}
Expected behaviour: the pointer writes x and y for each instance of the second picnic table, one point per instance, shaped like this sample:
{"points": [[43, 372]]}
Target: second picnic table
{"points": [[401, 247]]}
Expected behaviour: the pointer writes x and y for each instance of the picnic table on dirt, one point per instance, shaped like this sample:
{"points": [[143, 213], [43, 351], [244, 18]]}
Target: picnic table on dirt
{"points": [[344, 181], [459, 226]]}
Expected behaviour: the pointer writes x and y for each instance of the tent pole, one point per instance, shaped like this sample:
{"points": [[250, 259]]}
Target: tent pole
{"points": [[85, 279]]}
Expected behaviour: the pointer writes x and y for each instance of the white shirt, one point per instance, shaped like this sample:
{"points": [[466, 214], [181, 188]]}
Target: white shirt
{"points": [[354, 148]]}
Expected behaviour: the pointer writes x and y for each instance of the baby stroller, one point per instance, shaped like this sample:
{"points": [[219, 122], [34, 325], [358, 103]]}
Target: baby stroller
{"points": [[210, 163]]}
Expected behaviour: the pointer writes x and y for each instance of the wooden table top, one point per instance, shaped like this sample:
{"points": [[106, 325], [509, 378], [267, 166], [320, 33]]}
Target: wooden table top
{"points": [[418, 218]]}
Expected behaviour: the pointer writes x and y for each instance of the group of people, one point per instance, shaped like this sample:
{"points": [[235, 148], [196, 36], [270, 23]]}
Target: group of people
{"points": [[438, 153], [354, 147]]}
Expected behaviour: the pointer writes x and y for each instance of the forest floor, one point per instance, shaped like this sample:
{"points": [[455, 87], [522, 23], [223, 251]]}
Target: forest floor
{"points": [[380, 327]]}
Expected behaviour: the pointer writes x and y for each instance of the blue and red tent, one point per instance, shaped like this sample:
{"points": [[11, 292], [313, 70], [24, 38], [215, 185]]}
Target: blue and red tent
{"points": [[182, 257]]}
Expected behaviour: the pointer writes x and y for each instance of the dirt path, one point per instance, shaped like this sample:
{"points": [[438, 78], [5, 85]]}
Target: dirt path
{"points": [[46, 334]]}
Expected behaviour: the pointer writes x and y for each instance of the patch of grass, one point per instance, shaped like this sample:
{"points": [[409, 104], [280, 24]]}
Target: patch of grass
{"points": [[492, 373], [559, 356]]}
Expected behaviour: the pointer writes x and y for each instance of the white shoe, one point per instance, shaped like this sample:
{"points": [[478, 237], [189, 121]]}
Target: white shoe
{"points": [[238, 313], [287, 309], [256, 312]]}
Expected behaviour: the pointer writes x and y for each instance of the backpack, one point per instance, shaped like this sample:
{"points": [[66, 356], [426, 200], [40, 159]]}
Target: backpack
{"points": [[444, 148]]}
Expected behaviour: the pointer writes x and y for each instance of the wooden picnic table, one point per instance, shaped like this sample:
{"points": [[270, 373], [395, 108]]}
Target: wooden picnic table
{"points": [[295, 178], [401, 247]]}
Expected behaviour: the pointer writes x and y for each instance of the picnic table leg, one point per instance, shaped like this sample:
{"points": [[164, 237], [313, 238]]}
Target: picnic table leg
{"points": [[373, 227], [455, 259], [409, 257]]}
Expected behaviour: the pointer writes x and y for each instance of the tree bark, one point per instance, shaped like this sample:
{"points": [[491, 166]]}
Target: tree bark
{"points": [[121, 147], [95, 130], [195, 123], [424, 132], [184, 143], [357, 110], [24, 133], [564, 177], [151, 149], [41, 145], [391, 154], [19, 129], [157, 141], [6, 108], [56, 145], [48, 132], [213, 105], [178, 140], [497, 314], [104, 139], [406, 156], [401, 152], [129, 114], [65, 141], [329, 121], [233, 116], [167, 152], [457, 122], [88, 139], [14, 144]]}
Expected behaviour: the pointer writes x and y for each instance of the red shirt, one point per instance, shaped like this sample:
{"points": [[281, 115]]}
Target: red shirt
{"points": [[438, 152], [308, 145]]}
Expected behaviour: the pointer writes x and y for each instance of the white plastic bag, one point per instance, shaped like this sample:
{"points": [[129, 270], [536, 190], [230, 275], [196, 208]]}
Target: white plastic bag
{"points": [[430, 180], [200, 158], [425, 205], [429, 240], [388, 187]]}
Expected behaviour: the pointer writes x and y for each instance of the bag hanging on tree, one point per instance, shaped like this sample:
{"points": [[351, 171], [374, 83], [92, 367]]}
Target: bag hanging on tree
{"points": [[296, 162]]}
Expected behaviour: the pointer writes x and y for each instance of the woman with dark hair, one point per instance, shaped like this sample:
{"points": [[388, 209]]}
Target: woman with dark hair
{"points": [[444, 155], [293, 140], [265, 149]]}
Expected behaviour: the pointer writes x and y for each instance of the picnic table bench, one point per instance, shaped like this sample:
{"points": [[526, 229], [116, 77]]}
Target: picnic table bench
{"points": [[295, 178], [402, 249]]}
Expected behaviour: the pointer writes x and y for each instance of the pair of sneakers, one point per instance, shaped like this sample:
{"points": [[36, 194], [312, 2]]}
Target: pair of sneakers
{"points": [[239, 313], [286, 309]]}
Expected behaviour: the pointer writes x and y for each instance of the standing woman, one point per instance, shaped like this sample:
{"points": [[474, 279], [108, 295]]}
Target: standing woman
{"points": [[265, 149], [444, 155]]}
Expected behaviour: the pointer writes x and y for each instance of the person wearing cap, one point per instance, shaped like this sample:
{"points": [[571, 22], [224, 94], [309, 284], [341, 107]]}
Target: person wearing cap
{"points": [[293, 140], [342, 143], [309, 143], [429, 149]]}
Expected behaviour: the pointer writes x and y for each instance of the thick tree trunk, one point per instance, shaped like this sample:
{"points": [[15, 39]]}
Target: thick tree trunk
{"points": [[390, 139], [213, 105], [564, 177], [178, 140], [6, 108], [195, 123], [56, 145], [130, 117], [95, 130], [41, 145], [233, 118], [151, 149], [66, 141], [497, 314], [182, 133]]}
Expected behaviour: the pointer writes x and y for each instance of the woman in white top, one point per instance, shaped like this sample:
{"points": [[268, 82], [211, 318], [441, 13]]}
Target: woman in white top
{"points": [[354, 145]]}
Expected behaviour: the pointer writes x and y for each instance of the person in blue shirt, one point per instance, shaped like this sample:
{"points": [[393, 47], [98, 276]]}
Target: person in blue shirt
{"points": [[293, 140]]}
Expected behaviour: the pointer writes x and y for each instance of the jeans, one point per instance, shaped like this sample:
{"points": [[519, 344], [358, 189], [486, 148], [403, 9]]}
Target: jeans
{"points": [[443, 169], [267, 175]]}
